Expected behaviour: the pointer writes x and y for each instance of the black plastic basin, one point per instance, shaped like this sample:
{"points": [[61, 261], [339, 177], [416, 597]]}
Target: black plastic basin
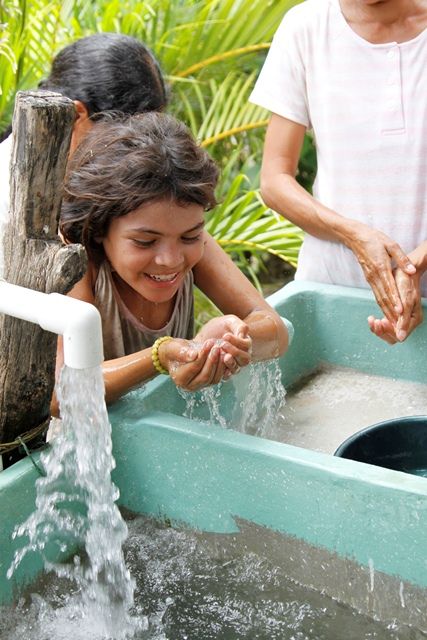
{"points": [[399, 444]]}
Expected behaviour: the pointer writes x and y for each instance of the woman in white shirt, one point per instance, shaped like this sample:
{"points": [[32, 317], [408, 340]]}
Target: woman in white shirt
{"points": [[353, 71]]}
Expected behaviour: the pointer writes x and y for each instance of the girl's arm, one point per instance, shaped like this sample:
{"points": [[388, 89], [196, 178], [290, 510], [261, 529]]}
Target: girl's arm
{"points": [[223, 282], [200, 367], [248, 320]]}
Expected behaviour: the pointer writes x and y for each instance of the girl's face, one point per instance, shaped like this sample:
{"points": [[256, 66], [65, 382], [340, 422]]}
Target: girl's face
{"points": [[153, 247]]}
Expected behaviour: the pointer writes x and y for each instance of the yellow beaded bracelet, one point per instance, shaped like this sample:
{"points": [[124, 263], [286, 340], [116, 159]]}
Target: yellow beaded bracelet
{"points": [[155, 354]]}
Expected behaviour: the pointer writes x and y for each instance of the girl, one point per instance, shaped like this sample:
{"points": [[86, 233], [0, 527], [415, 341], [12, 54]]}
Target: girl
{"points": [[135, 196]]}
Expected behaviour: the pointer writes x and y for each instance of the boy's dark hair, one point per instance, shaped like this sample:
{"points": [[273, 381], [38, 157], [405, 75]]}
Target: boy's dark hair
{"points": [[108, 72], [124, 163]]}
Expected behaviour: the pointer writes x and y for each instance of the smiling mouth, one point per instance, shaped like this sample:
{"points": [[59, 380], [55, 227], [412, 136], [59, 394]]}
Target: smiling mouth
{"points": [[170, 277]]}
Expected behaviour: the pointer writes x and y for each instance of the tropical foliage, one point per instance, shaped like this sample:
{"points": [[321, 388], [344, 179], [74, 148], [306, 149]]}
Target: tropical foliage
{"points": [[211, 51]]}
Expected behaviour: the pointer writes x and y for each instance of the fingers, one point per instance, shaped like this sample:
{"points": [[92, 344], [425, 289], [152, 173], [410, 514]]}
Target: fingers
{"points": [[375, 252], [231, 363], [390, 288], [243, 342], [217, 368], [177, 351], [392, 334], [386, 293], [193, 366], [216, 361], [411, 300], [415, 319], [401, 258], [379, 274], [402, 326], [238, 328], [404, 320], [218, 327], [382, 329], [240, 354], [207, 369]]}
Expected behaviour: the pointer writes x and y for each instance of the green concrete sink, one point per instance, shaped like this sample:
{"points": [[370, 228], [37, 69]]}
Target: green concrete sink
{"points": [[356, 531]]}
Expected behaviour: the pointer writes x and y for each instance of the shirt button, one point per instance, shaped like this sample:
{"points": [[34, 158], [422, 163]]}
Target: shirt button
{"points": [[390, 54]]}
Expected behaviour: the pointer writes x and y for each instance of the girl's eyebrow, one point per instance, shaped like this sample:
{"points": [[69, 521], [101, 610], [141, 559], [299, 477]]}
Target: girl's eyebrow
{"points": [[198, 226]]}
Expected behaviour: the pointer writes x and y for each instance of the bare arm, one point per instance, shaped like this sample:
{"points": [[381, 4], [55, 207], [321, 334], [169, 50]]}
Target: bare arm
{"points": [[280, 190], [125, 373], [193, 368], [223, 282], [190, 368]]}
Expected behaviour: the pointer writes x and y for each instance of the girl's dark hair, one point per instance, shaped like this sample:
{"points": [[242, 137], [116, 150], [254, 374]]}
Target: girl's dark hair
{"points": [[108, 72], [124, 163]]}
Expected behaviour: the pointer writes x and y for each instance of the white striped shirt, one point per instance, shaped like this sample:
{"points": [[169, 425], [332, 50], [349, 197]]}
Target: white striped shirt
{"points": [[367, 106]]}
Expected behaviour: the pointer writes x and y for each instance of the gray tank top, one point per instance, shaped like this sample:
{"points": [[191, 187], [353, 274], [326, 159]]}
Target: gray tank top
{"points": [[123, 333]]}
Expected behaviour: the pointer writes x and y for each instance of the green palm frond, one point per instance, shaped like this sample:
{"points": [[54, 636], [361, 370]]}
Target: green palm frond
{"points": [[218, 110], [204, 309], [220, 57], [242, 223], [218, 26], [187, 33], [31, 33]]}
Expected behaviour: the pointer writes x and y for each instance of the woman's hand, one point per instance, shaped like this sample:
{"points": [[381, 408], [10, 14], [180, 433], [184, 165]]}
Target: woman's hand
{"points": [[375, 252], [412, 313]]}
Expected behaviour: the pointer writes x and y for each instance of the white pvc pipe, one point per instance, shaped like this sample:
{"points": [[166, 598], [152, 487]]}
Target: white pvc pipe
{"points": [[290, 329], [78, 322]]}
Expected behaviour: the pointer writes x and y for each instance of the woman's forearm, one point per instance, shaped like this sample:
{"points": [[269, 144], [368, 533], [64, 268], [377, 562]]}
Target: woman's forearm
{"points": [[283, 194], [280, 190]]}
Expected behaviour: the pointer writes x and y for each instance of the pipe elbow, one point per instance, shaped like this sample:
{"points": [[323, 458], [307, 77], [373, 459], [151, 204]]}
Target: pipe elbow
{"points": [[80, 325], [77, 321]]}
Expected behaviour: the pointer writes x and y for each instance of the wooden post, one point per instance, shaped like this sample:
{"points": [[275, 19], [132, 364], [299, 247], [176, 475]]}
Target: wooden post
{"points": [[34, 256]]}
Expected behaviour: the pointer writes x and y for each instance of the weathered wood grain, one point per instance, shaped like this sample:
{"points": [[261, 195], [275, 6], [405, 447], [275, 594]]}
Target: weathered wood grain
{"points": [[34, 256]]}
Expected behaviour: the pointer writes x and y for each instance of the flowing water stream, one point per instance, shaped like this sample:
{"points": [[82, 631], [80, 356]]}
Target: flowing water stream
{"points": [[75, 507]]}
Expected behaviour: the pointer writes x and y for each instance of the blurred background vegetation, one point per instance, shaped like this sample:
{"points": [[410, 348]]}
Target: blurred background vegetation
{"points": [[211, 52]]}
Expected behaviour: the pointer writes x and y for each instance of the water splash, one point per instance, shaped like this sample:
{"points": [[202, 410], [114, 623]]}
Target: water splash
{"points": [[75, 510], [209, 399], [201, 586], [401, 596], [371, 575], [257, 401], [265, 399]]}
